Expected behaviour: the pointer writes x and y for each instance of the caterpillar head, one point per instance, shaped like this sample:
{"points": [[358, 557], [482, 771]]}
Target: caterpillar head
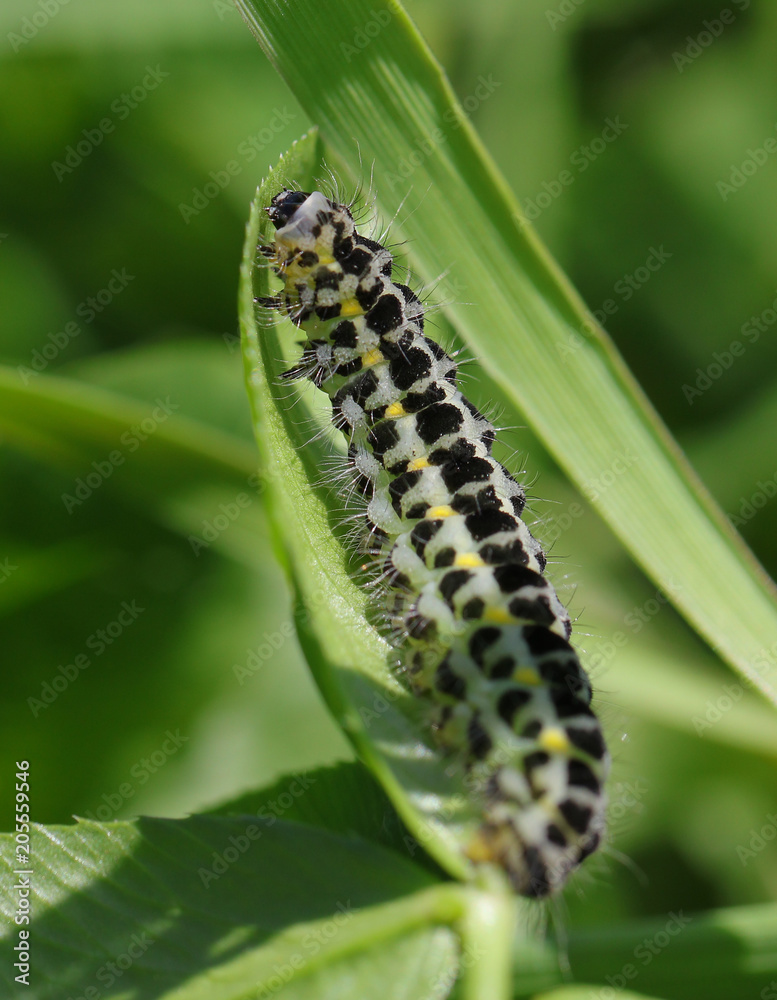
{"points": [[311, 231], [284, 206]]}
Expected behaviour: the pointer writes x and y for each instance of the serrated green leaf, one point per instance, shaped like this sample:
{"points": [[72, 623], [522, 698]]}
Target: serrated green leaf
{"points": [[215, 906], [344, 798]]}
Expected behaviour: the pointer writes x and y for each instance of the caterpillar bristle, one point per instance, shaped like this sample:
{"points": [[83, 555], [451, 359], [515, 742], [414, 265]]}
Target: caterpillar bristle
{"points": [[457, 579]]}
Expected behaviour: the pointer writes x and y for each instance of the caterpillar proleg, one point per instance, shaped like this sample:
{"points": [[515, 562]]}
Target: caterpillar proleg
{"points": [[482, 635]]}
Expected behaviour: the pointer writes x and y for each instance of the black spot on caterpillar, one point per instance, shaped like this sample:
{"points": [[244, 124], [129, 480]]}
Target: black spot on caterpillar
{"points": [[482, 634]]}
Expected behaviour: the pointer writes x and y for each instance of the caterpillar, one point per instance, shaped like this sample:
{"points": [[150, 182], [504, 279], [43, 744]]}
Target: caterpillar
{"points": [[480, 631]]}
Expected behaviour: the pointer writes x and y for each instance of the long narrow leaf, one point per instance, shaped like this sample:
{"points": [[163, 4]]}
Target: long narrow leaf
{"points": [[145, 452]]}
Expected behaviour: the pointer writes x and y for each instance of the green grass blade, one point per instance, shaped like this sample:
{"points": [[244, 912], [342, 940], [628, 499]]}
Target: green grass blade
{"points": [[386, 105], [146, 453], [69, 423]]}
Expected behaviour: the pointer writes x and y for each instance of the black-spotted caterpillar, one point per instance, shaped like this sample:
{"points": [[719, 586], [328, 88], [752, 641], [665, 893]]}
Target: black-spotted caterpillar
{"points": [[483, 634]]}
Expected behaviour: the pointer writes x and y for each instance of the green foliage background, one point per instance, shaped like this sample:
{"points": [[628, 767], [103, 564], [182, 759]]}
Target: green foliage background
{"points": [[172, 333]]}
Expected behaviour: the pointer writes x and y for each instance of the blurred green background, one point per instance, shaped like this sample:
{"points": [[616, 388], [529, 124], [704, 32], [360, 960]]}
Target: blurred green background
{"points": [[639, 220]]}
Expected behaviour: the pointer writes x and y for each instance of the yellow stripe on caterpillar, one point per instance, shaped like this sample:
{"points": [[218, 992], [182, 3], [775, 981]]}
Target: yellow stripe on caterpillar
{"points": [[442, 511], [468, 560], [373, 357], [418, 463], [351, 307], [480, 850], [554, 740], [497, 616], [394, 410], [526, 675]]}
